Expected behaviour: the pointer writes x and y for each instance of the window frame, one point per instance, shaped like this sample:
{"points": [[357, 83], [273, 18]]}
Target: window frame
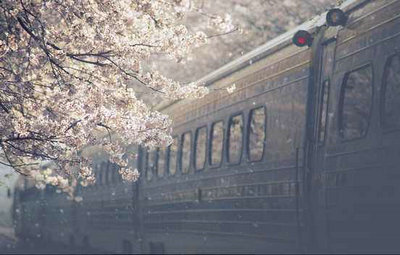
{"points": [[210, 165], [114, 173], [248, 132], [341, 102], [382, 108], [181, 152], [169, 157], [241, 113], [326, 84], [109, 179], [195, 148], [100, 175]]}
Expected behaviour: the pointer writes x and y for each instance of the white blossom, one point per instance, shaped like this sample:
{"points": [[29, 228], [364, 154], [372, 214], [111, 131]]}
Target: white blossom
{"points": [[78, 199], [231, 89], [129, 175]]}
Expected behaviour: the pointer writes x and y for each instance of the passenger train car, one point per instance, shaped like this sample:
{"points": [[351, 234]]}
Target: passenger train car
{"points": [[302, 157]]}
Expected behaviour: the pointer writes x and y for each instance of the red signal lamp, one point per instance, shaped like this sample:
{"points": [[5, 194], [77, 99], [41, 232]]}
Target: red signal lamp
{"points": [[336, 17], [302, 38]]}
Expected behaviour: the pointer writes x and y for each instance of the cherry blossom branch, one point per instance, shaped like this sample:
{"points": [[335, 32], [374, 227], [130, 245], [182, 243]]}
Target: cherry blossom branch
{"points": [[107, 128], [222, 34], [53, 77], [15, 167]]}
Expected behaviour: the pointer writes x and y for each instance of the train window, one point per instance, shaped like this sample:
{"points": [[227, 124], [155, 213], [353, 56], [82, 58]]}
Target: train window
{"points": [[99, 175], [114, 168], [110, 178], [200, 148], [107, 174], [355, 103], [104, 176], [104, 171], [114, 174], [173, 156], [161, 162], [256, 134], [151, 163], [217, 138], [146, 163], [185, 155], [324, 111], [96, 175], [391, 94], [154, 160], [133, 160], [235, 138]]}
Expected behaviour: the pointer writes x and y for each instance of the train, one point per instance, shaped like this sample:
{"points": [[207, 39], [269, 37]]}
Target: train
{"points": [[303, 157]]}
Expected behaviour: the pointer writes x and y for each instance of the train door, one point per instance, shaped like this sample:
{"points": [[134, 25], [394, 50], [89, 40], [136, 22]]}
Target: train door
{"points": [[324, 65]]}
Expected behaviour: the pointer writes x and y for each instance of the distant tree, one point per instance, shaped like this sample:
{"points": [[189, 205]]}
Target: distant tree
{"points": [[65, 70]]}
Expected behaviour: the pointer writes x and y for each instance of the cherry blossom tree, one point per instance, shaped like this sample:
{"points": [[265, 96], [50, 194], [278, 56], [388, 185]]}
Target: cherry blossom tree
{"points": [[65, 74]]}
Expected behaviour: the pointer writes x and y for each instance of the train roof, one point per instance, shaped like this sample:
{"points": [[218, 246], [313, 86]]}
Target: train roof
{"points": [[264, 50]]}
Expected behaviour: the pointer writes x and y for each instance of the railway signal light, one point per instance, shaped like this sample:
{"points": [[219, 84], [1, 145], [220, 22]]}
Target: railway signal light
{"points": [[302, 38], [336, 17]]}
